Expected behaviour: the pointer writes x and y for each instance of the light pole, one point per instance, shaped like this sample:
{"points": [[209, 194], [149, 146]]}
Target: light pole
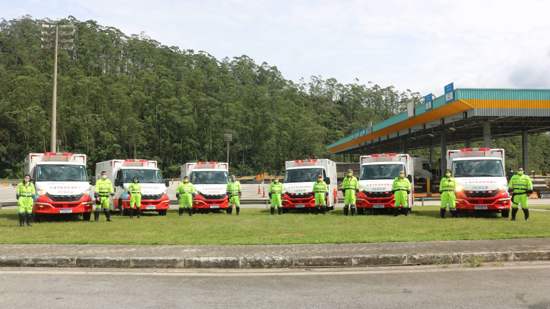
{"points": [[227, 137], [51, 33]]}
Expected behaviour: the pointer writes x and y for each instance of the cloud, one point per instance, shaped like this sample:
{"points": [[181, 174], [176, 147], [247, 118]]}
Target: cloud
{"points": [[421, 45]]}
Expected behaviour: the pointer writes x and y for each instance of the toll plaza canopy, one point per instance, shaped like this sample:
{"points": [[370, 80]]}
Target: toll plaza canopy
{"points": [[459, 116]]}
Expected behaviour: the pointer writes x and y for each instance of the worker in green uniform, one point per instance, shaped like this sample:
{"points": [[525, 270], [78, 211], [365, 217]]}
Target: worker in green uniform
{"points": [[185, 193], [134, 189], [350, 187], [275, 196], [234, 193], [401, 189], [103, 191], [24, 193], [320, 190], [447, 187], [520, 186]]}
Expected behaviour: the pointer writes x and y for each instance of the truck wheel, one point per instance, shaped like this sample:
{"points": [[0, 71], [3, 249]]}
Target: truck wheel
{"points": [[505, 213], [86, 216], [360, 211]]}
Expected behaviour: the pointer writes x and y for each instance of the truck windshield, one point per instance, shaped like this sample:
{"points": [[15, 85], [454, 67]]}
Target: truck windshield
{"points": [[60, 172], [144, 176], [303, 174], [478, 168], [208, 177], [380, 171]]}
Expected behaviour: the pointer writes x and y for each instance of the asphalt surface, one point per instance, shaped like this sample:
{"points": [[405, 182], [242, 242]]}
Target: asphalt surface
{"points": [[501, 286]]}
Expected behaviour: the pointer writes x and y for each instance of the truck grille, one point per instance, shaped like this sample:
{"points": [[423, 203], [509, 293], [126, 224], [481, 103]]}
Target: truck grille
{"points": [[151, 196], [481, 193], [378, 194], [65, 198], [300, 195], [214, 196]]}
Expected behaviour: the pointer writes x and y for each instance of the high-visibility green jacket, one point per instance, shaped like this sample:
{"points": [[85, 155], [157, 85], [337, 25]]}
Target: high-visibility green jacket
{"points": [[520, 184], [233, 188], [401, 184], [320, 187], [104, 187], [185, 188], [134, 188], [276, 188], [350, 183], [25, 190], [447, 184]]}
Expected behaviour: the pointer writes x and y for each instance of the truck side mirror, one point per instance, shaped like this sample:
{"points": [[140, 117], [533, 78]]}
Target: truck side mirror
{"points": [[118, 183], [167, 182], [92, 181], [327, 180]]}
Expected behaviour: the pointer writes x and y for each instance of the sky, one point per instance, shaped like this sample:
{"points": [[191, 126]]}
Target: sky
{"points": [[420, 45]]}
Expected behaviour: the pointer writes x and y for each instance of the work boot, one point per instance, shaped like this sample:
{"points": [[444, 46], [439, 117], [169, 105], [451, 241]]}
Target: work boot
{"points": [[272, 210], [279, 210], [406, 211], [108, 214], [238, 210], [317, 209], [395, 211], [131, 211], [514, 212], [525, 213], [352, 210], [442, 212], [21, 219], [28, 218], [346, 210], [96, 215], [138, 212], [190, 211], [180, 211], [324, 210]]}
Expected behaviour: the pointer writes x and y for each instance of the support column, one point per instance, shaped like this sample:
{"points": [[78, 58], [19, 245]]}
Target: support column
{"points": [[524, 151], [487, 134], [403, 145], [443, 145], [431, 155]]}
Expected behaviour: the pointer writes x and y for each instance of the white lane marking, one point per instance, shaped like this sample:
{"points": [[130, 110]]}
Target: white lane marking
{"points": [[271, 272]]}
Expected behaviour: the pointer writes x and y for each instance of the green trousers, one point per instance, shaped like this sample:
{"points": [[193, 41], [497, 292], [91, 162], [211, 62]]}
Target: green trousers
{"points": [[448, 199], [24, 204], [401, 199]]}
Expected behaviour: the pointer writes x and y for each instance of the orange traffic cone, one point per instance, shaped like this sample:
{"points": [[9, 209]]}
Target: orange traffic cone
{"points": [[263, 191], [259, 189]]}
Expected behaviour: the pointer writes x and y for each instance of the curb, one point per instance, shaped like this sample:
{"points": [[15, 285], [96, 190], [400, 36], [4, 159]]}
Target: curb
{"points": [[372, 260]]}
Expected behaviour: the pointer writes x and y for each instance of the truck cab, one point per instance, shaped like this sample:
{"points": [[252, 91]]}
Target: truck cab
{"points": [[377, 173], [481, 180], [300, 176], [210, 180], [62, 183], [153, 187]]}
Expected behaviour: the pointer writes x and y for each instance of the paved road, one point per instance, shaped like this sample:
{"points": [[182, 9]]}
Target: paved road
{"points": [[510, 286]]}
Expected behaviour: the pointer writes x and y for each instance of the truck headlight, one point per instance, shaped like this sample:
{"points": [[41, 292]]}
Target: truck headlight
{"points": [[459, 188]]}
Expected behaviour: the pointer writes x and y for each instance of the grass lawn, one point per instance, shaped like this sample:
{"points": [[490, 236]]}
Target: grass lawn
{"points": [[256, 226]]}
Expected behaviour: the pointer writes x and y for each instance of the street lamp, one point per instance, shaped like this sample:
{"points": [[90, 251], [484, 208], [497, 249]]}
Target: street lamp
{"points": [[57, 35], [227, 137]]}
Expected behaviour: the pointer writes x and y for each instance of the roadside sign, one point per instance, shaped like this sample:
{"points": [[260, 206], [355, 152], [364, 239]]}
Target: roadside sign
{"points": [[449, 93], [428, 101]]}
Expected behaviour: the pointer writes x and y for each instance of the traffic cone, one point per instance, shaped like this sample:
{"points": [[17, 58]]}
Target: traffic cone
{"points": [[259, 189], [263, 191]]}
